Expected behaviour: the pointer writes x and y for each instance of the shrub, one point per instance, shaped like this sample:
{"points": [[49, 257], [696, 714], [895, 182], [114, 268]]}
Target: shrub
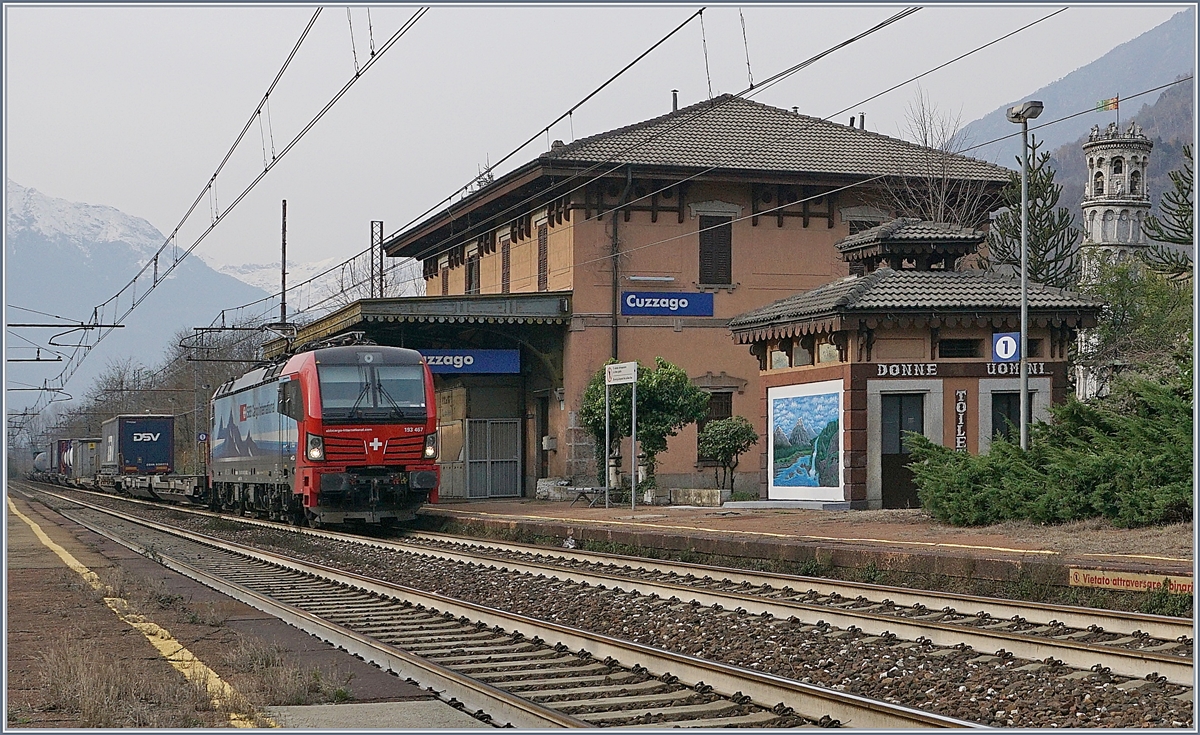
{"points": [[1126, 457], [723, 441]]}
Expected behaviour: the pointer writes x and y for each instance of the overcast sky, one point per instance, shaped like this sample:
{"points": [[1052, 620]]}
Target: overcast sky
{"points": [[134, 107]]}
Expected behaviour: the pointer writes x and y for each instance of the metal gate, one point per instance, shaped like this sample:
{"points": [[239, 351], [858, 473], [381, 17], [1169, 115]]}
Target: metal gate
{"points": [[493, 458]]}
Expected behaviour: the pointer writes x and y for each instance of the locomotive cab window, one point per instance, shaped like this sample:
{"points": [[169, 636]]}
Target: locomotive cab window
{"points": [[291, 400], [367, 391]]}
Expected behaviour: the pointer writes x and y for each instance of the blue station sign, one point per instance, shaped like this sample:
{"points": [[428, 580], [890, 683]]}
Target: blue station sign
{"points": [[473, 361], [669, 303]]}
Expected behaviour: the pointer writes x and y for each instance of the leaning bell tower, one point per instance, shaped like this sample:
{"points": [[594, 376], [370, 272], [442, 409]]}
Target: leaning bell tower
{"points": [[1115, 196], [1115, 204]]}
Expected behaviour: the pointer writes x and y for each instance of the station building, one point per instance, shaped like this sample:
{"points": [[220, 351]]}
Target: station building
{"points": [[636, 243], [907, 345]]}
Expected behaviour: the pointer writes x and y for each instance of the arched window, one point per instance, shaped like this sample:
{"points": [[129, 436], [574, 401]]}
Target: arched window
{"points": [[1091, 223], [1135, 180], [1118, 165], [1098, 185]]}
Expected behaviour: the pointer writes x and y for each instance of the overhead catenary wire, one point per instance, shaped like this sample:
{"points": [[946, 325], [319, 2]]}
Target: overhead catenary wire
{"points": [[773, 79], [353, 49], [875, 178], [1007, 136], [746, 46], [704, 46], [559, 186], [568, 114], [75, 360]]}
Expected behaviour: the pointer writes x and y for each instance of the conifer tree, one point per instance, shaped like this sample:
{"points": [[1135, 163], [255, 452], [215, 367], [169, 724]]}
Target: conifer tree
{"points": [[1174, 227], [1053, 237]]}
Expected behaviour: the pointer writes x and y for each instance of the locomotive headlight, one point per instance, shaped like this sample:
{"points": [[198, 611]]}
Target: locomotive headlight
{"points": [[431, 446], [316, 447]]}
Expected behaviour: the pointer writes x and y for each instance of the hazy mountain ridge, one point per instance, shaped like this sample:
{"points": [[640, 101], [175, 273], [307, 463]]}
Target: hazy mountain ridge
{"points": [[1156, 57], [65, 257], [1167, 122], [266, 275], [82, 225]]}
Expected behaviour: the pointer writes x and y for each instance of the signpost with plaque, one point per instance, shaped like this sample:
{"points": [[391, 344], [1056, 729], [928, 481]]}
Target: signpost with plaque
{"points": [[619, 373]]}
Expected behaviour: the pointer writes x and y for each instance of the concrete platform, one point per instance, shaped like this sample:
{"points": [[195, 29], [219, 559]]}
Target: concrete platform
{"points": [[801, 504], [418, 715], [793, 536], [380, 699]]}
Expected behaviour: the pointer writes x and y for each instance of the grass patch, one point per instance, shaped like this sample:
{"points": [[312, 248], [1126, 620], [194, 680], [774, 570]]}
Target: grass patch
{"points": [[100, 691], [266, 677], [1164, 602]]}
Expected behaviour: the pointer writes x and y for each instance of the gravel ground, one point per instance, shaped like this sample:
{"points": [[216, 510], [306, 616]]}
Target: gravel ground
{"points": [[993, 688]]}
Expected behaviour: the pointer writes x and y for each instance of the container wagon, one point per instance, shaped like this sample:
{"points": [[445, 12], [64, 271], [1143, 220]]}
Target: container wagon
{"points": [[136, 446]]}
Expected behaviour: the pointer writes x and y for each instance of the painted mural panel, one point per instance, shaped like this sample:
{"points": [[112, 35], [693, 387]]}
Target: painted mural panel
{"points": [[805, 453]]}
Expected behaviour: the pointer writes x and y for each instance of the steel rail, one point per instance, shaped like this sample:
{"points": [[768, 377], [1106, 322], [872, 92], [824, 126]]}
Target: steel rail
{"points": [[1159, 626], [1127, 662], [850, 709], [475, 695], [1082, 655]]}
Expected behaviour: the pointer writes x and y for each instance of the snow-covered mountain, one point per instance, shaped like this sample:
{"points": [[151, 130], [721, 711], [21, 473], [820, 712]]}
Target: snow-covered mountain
{"points": [[65, 258], [83, 225], [266, 275]]}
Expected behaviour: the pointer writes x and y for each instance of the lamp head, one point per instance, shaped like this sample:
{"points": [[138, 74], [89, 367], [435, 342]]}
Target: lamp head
{"points": [[1024, 111]]}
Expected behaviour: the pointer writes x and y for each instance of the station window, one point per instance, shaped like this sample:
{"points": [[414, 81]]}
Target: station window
{"points": [[802, 353], [445, 281], [1006, 413], [505, 267], [472, 275], [543, 257], [716, 250], [959, 347], [720, 406], [828, 352]]}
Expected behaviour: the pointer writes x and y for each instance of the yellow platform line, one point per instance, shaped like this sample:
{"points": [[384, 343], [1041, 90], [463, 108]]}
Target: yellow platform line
{"points": [[184, 661], [665, 527]]}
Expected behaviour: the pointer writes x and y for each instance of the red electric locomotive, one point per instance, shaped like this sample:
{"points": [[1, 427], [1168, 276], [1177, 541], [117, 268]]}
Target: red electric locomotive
{"points": [[332, 435]]}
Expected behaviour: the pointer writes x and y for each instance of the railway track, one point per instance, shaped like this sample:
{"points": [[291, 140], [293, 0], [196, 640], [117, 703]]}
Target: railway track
{"points": [[958, 680], [1129, 644], [506, 667]]}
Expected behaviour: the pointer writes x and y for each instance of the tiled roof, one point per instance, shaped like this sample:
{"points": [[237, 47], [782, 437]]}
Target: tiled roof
{"points": [[731, 132], [908, 229], [887, 290]]}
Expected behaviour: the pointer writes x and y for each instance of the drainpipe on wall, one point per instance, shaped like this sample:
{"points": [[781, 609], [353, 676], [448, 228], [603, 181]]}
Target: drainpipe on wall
{"points": [[616, 251]]}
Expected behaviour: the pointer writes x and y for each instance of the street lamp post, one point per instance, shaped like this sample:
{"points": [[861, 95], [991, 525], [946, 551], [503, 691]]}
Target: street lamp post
{"points": [[1022, 114]]}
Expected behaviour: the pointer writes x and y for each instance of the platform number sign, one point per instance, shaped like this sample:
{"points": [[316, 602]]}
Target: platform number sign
{"points": [[1006, 347], [202, 437]]}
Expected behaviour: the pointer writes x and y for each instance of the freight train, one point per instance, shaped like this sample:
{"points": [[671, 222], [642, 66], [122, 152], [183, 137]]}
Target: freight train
{"points": [[330, 435]]}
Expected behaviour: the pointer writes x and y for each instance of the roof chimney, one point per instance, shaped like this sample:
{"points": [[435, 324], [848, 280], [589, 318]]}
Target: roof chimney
{"points": [[795, 110], [851, 121], [862, 121], [674, 100], [556, 145]]}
